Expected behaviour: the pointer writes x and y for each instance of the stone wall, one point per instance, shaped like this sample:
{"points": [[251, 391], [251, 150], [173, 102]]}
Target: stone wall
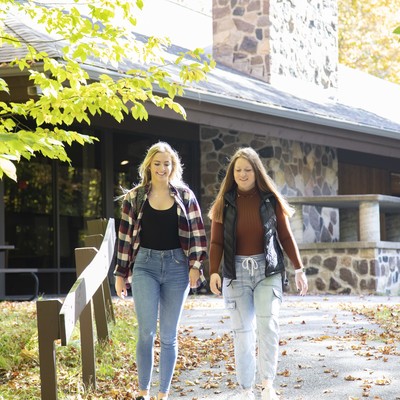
{"points": [[351, 268], [298, 169], [275, 39], [304, 41]]}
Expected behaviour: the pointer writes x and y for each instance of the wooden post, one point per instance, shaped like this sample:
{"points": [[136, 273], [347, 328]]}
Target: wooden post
{"points": [[108, 301], [83, 257], [48, 332], [87, 347], [97, 226], [57, 320]]}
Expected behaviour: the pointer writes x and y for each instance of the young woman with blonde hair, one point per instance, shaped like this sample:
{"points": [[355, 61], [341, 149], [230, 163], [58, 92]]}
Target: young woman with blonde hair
{"points": [[249, 224], [161, 235]]}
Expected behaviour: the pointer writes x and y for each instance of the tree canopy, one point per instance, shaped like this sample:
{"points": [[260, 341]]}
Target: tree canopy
{"points": [[97, 34], [367, 37]]}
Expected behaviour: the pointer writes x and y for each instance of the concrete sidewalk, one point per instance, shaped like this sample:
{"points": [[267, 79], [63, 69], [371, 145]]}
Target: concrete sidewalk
{"points": [[323, 353]]}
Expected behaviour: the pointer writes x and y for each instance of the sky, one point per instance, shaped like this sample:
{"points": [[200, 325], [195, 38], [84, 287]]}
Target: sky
{"points": [[365, 91], [186, 23]]}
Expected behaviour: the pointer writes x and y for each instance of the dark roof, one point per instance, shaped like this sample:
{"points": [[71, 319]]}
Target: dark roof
{"points": [[235, 85], [27, 34], [227, 87]]}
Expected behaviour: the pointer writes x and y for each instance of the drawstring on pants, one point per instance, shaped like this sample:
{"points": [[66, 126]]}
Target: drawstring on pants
{"points": [[250, 264]]}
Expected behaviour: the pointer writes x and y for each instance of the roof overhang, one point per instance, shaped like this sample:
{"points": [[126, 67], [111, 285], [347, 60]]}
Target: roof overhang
{"points": [[215, 109]]}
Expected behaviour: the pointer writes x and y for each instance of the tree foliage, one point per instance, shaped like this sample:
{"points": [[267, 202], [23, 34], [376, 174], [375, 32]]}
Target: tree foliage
{"points": [[367, 39], [85, 36]]}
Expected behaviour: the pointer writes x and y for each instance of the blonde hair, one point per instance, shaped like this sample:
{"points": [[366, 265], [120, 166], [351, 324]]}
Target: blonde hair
{"points": [[263, 182], [177, 170]]}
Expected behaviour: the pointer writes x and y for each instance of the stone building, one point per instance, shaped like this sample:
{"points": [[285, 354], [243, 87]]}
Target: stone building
{"points": [[288, 43], [276, 88]]}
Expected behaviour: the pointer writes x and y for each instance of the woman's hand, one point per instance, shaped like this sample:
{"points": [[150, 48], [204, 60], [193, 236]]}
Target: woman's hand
{"points": [[194, 276], [301, 282], [120, 287], [215, 283]]}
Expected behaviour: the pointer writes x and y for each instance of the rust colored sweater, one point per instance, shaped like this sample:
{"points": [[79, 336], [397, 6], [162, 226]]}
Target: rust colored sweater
{"points": [[250, 232]]}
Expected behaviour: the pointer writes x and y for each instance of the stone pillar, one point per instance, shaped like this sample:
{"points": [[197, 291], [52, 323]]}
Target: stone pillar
{"points": [[393, 227], [296, 223], [370, 226], [275, 40], [241, 36], [348, 225]]}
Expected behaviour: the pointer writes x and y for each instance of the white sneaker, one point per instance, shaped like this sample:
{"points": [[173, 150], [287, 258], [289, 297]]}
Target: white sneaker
{"points": [[269, 394], [242, 394]]}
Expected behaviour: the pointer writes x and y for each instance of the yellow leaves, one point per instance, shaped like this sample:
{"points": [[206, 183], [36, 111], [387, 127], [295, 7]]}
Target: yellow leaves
{"points": [[3, 88], [29, 354], [366, 37], [194, 71], [323, 337], [351, 378], [138, 111], [286, 373], [383, 381], [7, 167]]}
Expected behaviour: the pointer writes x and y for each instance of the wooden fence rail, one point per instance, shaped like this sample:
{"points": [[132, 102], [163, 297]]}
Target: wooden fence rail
{"points": [[57, 320]]}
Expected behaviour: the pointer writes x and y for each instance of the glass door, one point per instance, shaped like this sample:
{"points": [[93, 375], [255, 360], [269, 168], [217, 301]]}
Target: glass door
{"points": [[45, 218]]}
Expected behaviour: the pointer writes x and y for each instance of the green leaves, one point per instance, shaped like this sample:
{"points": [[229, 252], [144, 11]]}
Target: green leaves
{"points": [[70, 89], [7, 167]]}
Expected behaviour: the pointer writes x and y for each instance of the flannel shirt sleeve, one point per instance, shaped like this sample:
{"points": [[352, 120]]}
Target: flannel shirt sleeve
{"points": [[124, 247], [198, 238]]}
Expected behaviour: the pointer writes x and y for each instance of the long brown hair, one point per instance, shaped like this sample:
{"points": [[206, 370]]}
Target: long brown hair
{"points": [[263, 182]]}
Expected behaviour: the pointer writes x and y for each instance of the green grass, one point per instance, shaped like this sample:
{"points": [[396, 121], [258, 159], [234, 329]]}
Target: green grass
{"points": [[19, 365]]}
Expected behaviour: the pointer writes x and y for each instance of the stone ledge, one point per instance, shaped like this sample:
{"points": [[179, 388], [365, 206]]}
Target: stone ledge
{"points": [[386, 203], [352, 245]]}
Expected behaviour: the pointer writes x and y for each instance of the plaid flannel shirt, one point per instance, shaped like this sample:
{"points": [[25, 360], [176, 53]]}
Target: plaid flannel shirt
{"points": [[192, 234]]}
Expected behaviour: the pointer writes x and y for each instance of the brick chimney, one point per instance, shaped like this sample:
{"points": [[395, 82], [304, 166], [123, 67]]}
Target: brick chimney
{"points": [[278, 41]]}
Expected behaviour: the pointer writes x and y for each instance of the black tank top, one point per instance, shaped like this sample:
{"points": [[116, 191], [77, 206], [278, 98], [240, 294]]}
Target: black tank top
{"points": [[159, 228]]}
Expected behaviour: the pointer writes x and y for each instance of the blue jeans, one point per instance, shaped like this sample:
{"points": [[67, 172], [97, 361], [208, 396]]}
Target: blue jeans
{"points": [[253, 302], [160, 284]]}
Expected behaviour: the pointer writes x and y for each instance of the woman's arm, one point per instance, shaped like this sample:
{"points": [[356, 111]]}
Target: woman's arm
{"points": [[124, 242], [286, 238], [198, 238], [289, 244], [216, 252]]}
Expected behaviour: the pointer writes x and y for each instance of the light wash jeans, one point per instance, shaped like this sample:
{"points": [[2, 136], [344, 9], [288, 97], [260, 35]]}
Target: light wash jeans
{"points": [[253, 302], [160, 284]]}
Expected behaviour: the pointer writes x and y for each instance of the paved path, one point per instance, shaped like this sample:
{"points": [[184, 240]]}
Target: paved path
{"points": [[324, 353]]}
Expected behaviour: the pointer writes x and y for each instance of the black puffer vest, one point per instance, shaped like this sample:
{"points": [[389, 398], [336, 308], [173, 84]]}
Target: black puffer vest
{"points": [[274, 259]]}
